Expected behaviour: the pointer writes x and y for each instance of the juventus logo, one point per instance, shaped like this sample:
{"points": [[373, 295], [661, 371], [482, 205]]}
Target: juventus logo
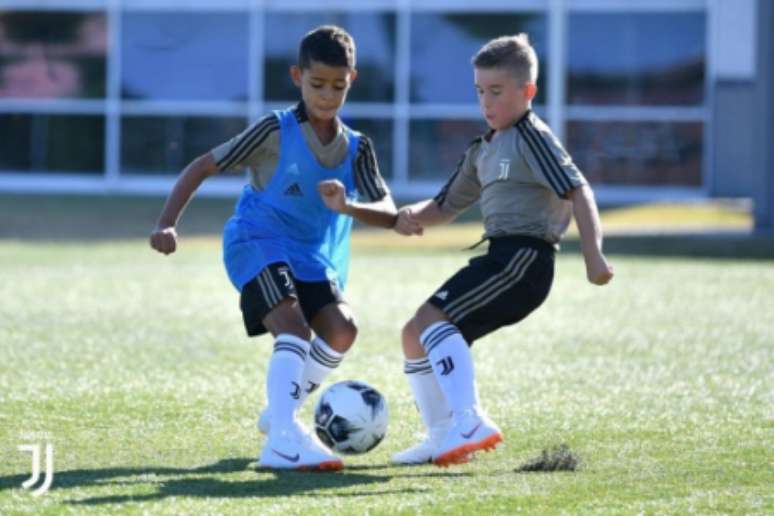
{"points": [[296, 392], [285, 273], [447, 365], [505, 168], [49, 477]]}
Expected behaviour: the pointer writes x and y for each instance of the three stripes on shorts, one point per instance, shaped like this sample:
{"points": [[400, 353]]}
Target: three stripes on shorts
{"points": [[487, 291], [271, 292]]}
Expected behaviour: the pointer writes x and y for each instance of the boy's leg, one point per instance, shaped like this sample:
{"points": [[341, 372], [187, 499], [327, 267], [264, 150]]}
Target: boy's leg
{"points": [[449, 354], [429, 398], [272, 297], [335, 329], [494, 290], [286, 365]]}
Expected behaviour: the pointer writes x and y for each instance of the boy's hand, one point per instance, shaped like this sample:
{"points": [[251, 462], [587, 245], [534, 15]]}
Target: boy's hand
{"points": [[164, 240], [598, 271], [333, 195], [406, 224]]}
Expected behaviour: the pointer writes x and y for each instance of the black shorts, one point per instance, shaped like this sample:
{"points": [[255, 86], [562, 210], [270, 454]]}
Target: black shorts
{"points": [[499, 288], [276, 283]]}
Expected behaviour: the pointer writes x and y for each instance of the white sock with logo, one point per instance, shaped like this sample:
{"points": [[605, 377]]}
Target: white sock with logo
{"points": [[452, 363], [283, 379], [430, 400], [320, 362]]}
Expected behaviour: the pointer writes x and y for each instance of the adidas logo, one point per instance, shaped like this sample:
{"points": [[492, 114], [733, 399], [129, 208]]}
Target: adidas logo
{"points": [[294, 190], [442, 295]]}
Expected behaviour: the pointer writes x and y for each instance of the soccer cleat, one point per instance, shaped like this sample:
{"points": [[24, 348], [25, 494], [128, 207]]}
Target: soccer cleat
{"points": [[264, 422], [294, 449], [264, 426], [471, 431], [422, 452]]}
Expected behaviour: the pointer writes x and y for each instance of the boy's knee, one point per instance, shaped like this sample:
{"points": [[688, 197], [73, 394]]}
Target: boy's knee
{"points": [[286, 317], [412, 348], [344, 336], [426, 316], [409, 332]]}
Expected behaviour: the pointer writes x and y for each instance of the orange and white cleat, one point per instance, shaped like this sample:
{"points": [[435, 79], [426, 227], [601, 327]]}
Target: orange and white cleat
{"points": [[471, 431]]}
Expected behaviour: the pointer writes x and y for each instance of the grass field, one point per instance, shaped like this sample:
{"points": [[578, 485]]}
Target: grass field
{"points": [[135, 367]]}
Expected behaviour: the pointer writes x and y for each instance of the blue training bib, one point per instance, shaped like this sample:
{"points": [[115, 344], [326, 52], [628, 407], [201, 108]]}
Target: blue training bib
{"points": [[288, 221]]}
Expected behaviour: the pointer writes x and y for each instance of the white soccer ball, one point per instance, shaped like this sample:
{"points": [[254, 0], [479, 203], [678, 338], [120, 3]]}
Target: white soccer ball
{"points": [[351, 417]]}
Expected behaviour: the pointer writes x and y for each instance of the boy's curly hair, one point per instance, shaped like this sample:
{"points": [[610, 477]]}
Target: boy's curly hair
{"points": [[327, 44]]}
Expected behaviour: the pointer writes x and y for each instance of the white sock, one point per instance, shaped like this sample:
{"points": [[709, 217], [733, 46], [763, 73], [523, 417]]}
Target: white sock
{"points": [[452, 364], [429, 398], [283, 379], [320, 362]]}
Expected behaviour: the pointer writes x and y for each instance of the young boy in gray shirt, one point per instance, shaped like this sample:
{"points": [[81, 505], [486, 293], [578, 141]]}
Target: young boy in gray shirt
{"points": [[528, 187]]}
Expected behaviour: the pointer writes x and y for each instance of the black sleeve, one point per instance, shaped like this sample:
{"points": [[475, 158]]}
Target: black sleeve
{"points": [[369, 182]]}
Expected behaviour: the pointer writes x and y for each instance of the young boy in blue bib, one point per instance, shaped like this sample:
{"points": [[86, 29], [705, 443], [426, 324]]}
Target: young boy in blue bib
{"points": [[286, 248]]}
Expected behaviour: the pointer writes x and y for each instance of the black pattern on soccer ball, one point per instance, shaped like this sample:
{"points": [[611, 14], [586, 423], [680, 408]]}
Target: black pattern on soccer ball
{"points": [[373, 444], [323, 414], [370, 396], [340, 429], [324, 437]]}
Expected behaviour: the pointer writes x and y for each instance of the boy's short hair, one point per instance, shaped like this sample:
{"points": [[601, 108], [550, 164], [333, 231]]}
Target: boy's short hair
{"points": [[327, 44], [512, 52]]}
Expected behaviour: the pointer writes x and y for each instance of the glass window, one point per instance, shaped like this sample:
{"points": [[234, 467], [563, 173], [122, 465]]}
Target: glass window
{"points": [[52, 143], [184, 56], [165, 145], [380, 133], [636, 59], [52, 54], [442, 46], [375, 42], [638, 153], [437, 145]]}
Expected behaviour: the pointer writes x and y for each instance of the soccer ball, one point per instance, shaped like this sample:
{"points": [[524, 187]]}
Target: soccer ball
{"points": [[351, 417]]}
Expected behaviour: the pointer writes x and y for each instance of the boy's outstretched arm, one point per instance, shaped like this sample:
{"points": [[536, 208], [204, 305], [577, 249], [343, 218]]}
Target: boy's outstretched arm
{"points": [[598, 271], [380, 213], [422, 214], [164, 236]]}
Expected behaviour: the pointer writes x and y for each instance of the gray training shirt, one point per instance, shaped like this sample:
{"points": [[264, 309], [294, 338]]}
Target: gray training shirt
{"points": [[522, 176], [257, 149]]}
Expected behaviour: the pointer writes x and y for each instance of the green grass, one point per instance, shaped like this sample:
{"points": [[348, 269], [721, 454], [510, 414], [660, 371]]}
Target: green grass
{"points": [[136, 368]]}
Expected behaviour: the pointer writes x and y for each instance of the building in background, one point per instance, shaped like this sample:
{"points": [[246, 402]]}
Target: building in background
{"points": [[655, 99]]}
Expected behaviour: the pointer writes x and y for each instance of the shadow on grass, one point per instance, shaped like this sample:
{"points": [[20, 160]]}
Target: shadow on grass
{"points": [[87, 477], [199, 482], [284, 484]]}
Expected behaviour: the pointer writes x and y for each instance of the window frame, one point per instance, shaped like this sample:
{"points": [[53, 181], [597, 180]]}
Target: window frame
{"points": [[401, 111]]}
